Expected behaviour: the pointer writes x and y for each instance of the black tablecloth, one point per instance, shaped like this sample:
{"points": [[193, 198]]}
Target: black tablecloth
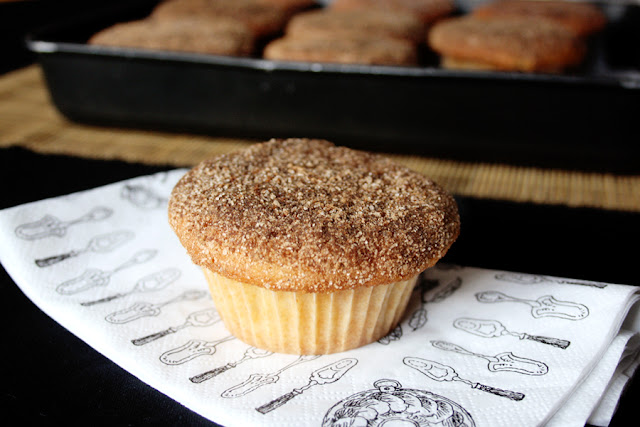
{"points": [[50, 377]]}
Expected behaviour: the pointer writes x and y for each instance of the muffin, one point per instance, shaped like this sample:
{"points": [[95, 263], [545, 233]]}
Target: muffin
{"points": [[353, 50], [506, 44], [327, 23], [310, 248], [199, 35], [428, 11], [582, 19], [291, 7], [261, 18]]}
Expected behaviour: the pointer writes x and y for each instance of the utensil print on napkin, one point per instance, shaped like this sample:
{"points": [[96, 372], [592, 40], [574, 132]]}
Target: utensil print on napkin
{"points": [[495, 329], [391, 404], [442, 294], [150, 283], [49, 225], [394, 335], [326, 375], [256, 381], [419, 317], [440, 372], [533, 279], [250, 354], [94, 277], [144, 309], [200, 318], [544, 306], [142, 197], [506, 361], [98, 244], [192, 349]]}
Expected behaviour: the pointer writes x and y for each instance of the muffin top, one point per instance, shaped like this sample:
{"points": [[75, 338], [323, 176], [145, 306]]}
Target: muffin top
{"points": [[306, 215], [219, 36], [582, 19], [514, 43], [428, 11], [333, 24], [261, 18]]}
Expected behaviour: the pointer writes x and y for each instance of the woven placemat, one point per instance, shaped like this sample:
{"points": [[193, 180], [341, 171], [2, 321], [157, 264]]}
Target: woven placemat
{"points": [[28, 119]]}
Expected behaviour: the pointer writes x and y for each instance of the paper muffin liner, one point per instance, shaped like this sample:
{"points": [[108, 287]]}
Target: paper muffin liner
{"points": [[308, 323]]}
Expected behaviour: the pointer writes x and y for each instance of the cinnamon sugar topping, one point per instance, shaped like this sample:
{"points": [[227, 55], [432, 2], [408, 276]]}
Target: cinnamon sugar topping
{"points": [[305, 215]]}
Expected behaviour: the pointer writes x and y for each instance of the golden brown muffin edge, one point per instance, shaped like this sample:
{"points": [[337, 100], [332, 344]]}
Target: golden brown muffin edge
{"points": [[306, 215]]}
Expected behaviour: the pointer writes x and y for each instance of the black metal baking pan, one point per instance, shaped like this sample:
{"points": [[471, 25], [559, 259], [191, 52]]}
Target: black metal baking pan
{"points": [[587, 118]]}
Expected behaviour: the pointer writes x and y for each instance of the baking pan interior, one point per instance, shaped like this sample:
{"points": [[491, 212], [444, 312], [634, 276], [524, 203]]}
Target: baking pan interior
{"points": [[584, 118]]}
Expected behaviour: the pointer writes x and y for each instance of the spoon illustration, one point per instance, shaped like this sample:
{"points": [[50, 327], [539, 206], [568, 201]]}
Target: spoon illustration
{"points": [[200, 318], [439, 372], [532, 279], [256, 381], [446, 291], [144, 309], [501, 362], [545, 306], [251, 353], [394, 335], [192, 349], [150, 283], [494, 329], [142, 197], [102, 243], [52, 226], [419, 317], [325, 375], [93, 277]]}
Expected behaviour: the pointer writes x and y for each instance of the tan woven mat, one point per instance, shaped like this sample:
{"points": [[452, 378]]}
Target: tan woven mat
{"points": [[28, 119]]}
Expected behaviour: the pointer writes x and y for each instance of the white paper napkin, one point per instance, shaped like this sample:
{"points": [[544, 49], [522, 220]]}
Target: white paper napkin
{"points": [[477, 347]]}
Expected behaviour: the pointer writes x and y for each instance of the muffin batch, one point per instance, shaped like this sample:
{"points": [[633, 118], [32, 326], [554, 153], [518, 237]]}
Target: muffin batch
{"points": [[504, 35], [240, 26], [360, 31]]}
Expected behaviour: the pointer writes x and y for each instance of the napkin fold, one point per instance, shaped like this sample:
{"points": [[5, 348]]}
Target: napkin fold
{"points": [[477, 347]]}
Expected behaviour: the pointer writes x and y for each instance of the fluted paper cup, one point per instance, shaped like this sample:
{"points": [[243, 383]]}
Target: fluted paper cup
{"points": [[308, 323]]}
